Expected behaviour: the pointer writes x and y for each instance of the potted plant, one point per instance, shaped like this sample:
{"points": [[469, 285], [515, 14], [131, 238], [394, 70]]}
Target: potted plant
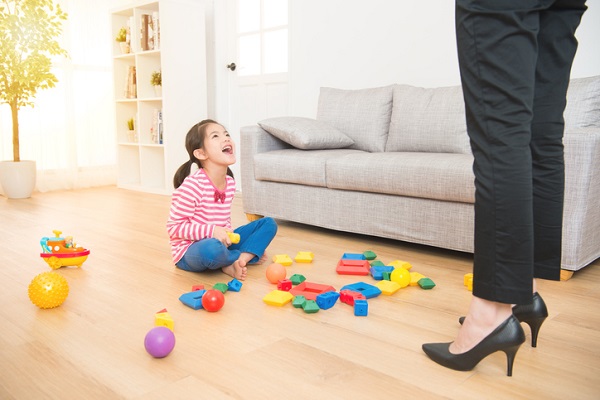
{"points": [[156, 82], [121, 38], [131, 128], [29, 32]]}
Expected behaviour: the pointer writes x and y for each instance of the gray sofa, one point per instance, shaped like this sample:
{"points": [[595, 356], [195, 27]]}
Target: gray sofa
{"points": [[395, 162]]}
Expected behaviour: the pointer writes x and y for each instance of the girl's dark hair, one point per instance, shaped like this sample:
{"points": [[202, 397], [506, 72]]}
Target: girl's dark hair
{"points": [[194, 140]]}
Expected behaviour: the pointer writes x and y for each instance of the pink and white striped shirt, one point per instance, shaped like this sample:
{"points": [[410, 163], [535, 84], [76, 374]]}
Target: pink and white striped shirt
{"points": [[197, 206]]}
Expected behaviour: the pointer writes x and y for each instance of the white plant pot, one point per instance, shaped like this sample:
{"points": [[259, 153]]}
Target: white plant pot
{"points": [[125, 49], [158, 90], [18, 178]]}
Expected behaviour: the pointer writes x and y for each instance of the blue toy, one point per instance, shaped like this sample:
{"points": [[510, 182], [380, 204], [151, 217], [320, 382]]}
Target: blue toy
{"points": [[361, 308], [327, 300], [367, 290], [193, 299], [377, 271]]}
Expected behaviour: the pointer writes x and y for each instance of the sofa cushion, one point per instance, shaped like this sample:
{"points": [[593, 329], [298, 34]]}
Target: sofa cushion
{"points": [[363, 115], [428, 120], [306, 133], [442, 176], [296, 166], [583, 103]]}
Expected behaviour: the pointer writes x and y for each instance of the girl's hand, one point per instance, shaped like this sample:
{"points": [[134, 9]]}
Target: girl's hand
{"points": [[221, 235]]}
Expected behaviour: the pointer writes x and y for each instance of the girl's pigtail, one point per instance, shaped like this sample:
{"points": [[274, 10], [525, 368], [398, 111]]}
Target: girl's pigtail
{"points": [[182, 172]]}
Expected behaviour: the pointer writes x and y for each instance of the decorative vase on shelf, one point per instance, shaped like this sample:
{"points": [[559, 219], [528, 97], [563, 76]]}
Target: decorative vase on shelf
{"points": [[158, 90]]}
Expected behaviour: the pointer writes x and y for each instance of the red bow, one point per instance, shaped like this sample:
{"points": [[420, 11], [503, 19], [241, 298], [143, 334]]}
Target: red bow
{"points": [[219, 196]]}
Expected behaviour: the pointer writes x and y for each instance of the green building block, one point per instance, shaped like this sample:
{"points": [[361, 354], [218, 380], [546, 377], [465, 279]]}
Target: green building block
{"points": [[297, 279], [377, 263], [370, 255], [386, 275], [310, 307], [221, 287], [426, 283], [299, 301]]}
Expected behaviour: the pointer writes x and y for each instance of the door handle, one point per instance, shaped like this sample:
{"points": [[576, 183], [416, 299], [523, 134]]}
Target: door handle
{"points": [[231, 66]]}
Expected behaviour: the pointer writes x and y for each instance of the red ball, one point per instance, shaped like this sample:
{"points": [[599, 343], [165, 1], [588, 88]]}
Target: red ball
{"points": [[213, 300], [275, 272]]}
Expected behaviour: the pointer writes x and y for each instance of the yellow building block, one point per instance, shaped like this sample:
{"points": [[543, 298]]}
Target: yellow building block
{"points": [[468, 281], [278, 298], [468, 278], [282, 259], [304, 257], [388, 287], [164, 319], [400, 264], [234, 237], [415, 277]]}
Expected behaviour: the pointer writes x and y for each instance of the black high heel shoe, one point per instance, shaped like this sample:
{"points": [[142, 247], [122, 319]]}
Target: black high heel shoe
{"points": [[533, 314], [507, 337]]}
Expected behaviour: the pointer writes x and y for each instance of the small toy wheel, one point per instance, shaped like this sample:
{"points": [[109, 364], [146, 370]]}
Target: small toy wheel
{"points": [[54, 262]]}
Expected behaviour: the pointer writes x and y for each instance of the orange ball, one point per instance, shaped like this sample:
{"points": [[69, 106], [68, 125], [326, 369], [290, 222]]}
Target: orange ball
{"points": [[275, 272]]}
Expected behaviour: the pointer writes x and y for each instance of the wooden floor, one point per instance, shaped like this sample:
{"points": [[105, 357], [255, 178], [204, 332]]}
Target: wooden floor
{"points": [[91, 347]]}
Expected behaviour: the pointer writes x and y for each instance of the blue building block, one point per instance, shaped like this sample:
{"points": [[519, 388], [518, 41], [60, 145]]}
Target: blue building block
{"points": [[361, 308], [327, 300], [193, 299], [234, 285], [378, 270], [353, 256], [367, 290]]}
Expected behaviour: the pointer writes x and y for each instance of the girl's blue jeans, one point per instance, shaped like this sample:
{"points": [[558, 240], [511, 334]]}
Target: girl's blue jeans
{"points": [[211, 254]]}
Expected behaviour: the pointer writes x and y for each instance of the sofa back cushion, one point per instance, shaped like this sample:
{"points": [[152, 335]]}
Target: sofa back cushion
{"points": [[363, 114], [428, 120], [583, 103]]}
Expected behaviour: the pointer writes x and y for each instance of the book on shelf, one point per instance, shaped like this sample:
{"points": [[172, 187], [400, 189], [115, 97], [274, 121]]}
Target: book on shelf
{"points": [[156, 130], [131, 32], [144, 32], [149, 31], [156, 30], [131, 86]]}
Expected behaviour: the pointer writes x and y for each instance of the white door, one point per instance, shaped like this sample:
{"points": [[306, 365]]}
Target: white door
{"points": [[257, 64]]}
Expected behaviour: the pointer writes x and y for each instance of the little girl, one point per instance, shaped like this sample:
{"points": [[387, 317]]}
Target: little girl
{"points": [[200, 215]]}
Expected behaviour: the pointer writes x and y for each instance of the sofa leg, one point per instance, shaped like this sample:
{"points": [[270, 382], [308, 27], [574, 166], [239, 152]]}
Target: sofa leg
{"points": [[566, 274], [253, 217]]}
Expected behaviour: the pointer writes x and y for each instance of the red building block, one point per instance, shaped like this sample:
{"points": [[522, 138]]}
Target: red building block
{"points": [[284, 284], [311, 290], [353, 267], [348, 297]]}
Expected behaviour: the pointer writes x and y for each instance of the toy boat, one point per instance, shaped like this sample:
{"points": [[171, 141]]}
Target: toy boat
{"points": [[62, 252]]}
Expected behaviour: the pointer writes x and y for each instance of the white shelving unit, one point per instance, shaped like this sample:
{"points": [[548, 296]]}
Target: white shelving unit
{"points": [[144, 162]]}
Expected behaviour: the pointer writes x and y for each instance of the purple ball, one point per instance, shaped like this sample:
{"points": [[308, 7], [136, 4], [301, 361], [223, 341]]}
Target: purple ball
{"points": [[159, 341]]}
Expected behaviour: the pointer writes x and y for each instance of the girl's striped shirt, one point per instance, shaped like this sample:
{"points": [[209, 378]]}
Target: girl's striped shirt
{"points": [[197, 206]]}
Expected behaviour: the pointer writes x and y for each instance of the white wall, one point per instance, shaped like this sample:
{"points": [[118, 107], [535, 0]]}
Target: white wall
{"points": [[354, 44]]}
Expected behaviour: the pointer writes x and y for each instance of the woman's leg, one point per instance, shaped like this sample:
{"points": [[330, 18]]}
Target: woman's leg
{"points": [[497, 50], [557, 46]]}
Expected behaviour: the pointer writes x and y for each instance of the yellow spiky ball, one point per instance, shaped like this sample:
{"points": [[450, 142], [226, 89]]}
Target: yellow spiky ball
{"points": [[48, 290]]}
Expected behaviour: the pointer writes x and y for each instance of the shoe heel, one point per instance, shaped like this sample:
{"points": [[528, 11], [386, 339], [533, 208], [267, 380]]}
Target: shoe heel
{"points": [[535, 324], [511, 352]]}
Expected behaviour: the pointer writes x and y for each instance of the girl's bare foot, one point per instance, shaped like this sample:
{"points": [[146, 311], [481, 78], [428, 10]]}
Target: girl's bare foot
{"points": [[237, 270], [262, 259]]}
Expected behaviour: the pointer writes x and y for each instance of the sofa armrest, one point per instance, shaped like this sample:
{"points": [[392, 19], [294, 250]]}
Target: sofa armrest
{"points": [[254, 140], [582, 197]]}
